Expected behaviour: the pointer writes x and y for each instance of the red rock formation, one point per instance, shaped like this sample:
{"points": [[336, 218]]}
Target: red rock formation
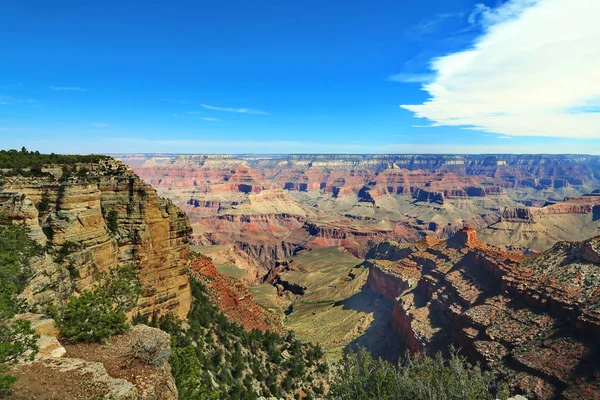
{"points": [[232, 297], [531, 319]]}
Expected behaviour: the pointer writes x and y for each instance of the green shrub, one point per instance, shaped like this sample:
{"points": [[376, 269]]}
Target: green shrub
{"points": [[99, 313], [16, 249], [82, 172], [112, 222], [16, 337], [188, 374], [419, 377], [44, 204], [65, 251], [244, 365]]}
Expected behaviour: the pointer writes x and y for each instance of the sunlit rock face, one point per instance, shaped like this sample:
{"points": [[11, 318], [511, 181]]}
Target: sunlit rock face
{"points": [[101, 216], [271, 206], [532, 319]]}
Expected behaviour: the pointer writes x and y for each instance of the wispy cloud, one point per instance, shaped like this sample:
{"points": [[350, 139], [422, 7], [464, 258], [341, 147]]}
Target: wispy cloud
{"points": [[234, 110], [486, 16], [67, 89], [411, 78], [203, 118], [431, 25], [14, 100], [99, 125], [535, 62]]}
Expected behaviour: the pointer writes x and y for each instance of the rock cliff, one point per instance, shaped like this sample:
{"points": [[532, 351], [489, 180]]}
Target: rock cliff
{"points": [[232, 298], [532, 319], [92, 217]]}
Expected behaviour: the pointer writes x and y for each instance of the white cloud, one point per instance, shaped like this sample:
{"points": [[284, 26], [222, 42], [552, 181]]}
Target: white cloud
{"points": [[431, 25], [67, 89], [535, 71], [13, 100], [234, 110], [99, 125], [487, 16]]}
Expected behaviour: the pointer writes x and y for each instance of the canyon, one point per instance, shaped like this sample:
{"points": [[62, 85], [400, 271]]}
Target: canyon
{"points": [[532, 319], [271, 206], [388, 253], [445, 239]]}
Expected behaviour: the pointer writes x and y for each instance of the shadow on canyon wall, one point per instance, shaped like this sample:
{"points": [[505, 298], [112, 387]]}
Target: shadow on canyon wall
{"points": [[379, 338]]}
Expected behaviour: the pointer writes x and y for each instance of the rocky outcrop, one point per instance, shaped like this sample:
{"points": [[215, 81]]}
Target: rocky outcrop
{"points": [[397, 173], [429, 196], [100, 216], [132, 366], [532, 320], [232, 298]]}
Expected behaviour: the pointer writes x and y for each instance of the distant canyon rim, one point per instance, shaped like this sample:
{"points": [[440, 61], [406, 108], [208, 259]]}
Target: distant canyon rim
{"points": [[264, 208]]}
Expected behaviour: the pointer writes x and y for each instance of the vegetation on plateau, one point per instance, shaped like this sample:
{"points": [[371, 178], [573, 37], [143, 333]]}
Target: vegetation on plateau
{"points": [[30, 163], [17, 338]]}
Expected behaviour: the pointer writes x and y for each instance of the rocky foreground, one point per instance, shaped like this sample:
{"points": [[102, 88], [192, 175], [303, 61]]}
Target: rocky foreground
{"points": [[132, 366], [533, 319]]}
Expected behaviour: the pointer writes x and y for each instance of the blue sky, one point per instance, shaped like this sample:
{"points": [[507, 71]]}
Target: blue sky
{"points": [[428, 76]]}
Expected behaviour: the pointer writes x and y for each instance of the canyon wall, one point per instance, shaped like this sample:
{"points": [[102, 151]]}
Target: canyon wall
{"points": [[531, 319], [92, 217]]}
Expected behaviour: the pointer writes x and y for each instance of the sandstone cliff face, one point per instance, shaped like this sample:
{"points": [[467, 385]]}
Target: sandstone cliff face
{"points": [[531, 319], [100, 216]]}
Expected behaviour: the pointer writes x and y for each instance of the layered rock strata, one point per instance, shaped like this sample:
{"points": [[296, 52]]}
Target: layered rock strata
{"points": [[532, 319], [92, 217]]}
